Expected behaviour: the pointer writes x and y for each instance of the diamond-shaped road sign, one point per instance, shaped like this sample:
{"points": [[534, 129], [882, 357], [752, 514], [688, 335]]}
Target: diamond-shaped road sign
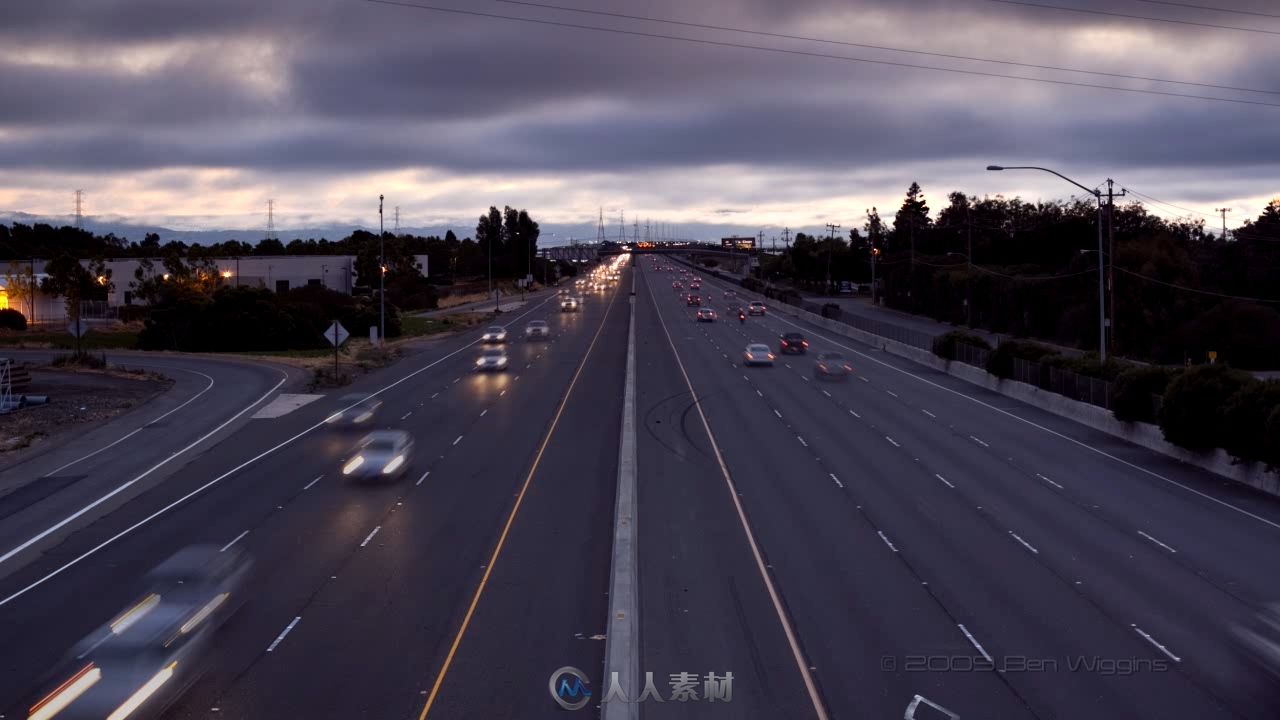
{"points": [[336, 334], [78, 328]]}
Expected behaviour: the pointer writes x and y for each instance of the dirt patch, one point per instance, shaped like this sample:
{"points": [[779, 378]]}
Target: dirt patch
{"points": [[78, 400]]}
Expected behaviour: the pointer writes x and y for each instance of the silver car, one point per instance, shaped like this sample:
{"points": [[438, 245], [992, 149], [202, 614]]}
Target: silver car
{"points": [[381, 454], [149, 654], [494, 334], [758, 354], [356, 411], [492, 359], [537, 330]]}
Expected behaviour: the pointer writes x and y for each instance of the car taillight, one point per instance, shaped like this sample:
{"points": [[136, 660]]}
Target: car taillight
{"points": [[804, 343]]}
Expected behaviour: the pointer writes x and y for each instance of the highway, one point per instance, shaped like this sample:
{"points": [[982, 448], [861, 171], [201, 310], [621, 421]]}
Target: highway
{"points": [[844, 549]]}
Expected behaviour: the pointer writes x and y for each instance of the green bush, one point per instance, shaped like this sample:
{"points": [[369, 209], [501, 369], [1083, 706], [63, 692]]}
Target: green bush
{"points": [[1133, 395], [132, 313], [944, 346], [1089, 366], [1192, 413], [11, 319], [1245, 417], [1000, 363]]}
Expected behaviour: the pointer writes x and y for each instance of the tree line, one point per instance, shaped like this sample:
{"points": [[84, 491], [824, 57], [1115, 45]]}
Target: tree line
{"points": [[1031, 270]]}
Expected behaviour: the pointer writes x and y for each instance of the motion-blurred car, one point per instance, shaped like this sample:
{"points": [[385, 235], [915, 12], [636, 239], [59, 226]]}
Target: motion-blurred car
{"points": [[491, 359], [676, 285], [706, 315], [380, 454], [537, 330], [695, 285], [494, 334], [357, 411], [757, 354], [728, 294], [564, 292], [693, 301], [755, 308], [832, 365], [792, 343], [145, 658], [569, 304]]}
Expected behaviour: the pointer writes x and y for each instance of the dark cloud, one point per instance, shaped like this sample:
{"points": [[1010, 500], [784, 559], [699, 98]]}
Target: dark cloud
{"points": [[344, 85]]}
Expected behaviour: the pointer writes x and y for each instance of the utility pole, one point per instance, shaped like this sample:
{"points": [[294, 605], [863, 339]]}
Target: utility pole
{"points": [[1223, 212], [968, 300], [1111, 262], [382, 279], [831, 240]]}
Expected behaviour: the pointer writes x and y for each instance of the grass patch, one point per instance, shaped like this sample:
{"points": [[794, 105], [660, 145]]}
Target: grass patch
{"points": [[411, 326]]}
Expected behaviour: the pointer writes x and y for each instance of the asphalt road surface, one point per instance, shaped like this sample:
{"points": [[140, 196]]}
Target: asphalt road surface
{"points": [[843, 549]]}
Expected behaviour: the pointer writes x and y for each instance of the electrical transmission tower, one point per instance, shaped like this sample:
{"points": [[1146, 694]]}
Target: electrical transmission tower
{"points": [[271, 219], [622, 226], [397, 220], [600, 228], [635, 231], [79, 208], [647, 236], [786, 237]]}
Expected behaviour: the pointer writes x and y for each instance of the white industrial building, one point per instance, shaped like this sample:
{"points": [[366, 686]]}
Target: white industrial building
{"points": [[277, 273]]}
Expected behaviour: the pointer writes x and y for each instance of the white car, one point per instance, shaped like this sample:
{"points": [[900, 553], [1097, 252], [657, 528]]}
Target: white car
{"points": [[381, 454], [494, 334], [493, 358], [755, 308], [537, 330], [758, 354], [569, 304]]}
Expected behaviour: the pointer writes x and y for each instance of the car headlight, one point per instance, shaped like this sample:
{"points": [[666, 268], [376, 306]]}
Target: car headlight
{"points": [[502, 361], [479, 362], [352, 464], [392, 466]]}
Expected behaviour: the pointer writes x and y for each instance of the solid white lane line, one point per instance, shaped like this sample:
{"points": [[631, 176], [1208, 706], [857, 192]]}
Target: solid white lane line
{"points": [[1047, 430], [126, 485], [424, 477], [457, 440], [482, 412], [885, 538], [788, 629], [280, 638], [892, 441], [926, 412], [406, 415], [1025, 544], [979, 441], [370, 536], [833, 477], [1152, 640], [974, 641], [233, 542], [1166, 547], [854, 414], [1049, 481], [775, 412], [802, 442], [892, 393], [313, 482], [944, 480]]}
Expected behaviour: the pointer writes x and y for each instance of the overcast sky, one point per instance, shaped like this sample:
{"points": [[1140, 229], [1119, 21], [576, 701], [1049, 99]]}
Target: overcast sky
{"points": [[192, 114]]}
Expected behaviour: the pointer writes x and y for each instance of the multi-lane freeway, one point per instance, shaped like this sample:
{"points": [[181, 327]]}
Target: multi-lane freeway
{"points": [[896, 544]]}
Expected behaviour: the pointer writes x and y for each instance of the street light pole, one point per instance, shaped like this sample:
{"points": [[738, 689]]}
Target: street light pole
{"points": [[382, 279], [831, 240], [1102, 304]]}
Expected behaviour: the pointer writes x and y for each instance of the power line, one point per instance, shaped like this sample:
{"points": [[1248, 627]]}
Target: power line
{"points": [[1161, 202], [1136, 17], [1211, 8], [807, 53], [784, 36], [1196, 290]]}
